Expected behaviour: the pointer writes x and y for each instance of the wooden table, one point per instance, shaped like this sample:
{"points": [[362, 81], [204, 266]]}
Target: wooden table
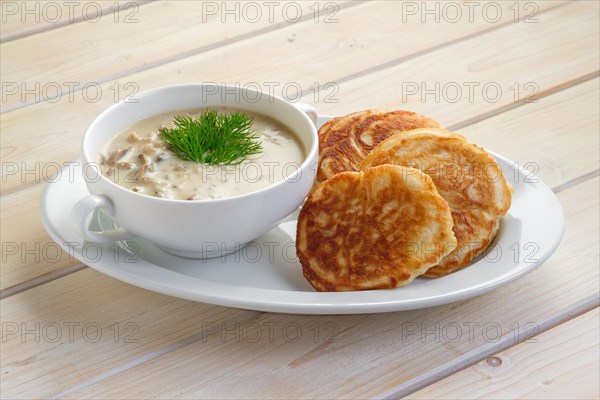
{"points": [[520, 78]]}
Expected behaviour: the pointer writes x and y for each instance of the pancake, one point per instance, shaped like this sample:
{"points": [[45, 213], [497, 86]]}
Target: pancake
{"points": [[465, 175], [375, 229], [340, 127], [345, 141]]}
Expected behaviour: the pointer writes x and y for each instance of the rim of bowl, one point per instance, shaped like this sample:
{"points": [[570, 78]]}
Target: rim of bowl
{"points": [[312, 151]]}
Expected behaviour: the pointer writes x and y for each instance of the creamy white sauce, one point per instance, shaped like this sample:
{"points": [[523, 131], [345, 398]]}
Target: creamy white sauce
{"points": [[139, 160]]}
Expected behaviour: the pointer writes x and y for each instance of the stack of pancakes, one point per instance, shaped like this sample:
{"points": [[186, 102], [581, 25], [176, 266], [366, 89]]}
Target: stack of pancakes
{"points": [[396, 197]]}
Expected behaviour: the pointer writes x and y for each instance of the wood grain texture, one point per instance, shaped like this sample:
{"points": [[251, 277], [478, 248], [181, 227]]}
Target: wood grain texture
{"points": [[21, 19], [28, 252], [117, 43], [561, 363], [245, 63], [528, 133], [483, 74], [118, 341], [99, 324], [333, 357]]}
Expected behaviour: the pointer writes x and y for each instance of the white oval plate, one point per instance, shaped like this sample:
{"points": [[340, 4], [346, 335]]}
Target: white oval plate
{"points": [[266, 275]]}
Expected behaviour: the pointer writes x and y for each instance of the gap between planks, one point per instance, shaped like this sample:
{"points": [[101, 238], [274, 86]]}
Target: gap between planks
{"points": [[279, 25], [48, 27], [49, 277], [400, 60], [249, 315], [570, 183], [583, 306], [529, 99], [40, 280], [181, 56], [466, 361]]}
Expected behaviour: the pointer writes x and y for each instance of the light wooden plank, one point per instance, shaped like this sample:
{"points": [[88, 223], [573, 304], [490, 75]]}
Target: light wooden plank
{"points": [[562, 363], [28, 252], [569, 120], [117, 44], [87, 324], [490, 72], [543, 129], [20, 18], [336, 58], [367, 356]]}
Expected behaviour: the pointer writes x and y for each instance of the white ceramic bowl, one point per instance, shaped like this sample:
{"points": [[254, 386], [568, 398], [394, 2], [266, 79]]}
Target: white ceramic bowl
{"points": [[200, 228]]}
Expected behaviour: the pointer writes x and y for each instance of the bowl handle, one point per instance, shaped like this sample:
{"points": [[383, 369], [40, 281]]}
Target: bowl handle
{"points": [[310, 111], [81, 216]]}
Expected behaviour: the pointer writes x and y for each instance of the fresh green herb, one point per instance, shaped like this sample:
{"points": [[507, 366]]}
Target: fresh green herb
{"points": [[212, 138]]}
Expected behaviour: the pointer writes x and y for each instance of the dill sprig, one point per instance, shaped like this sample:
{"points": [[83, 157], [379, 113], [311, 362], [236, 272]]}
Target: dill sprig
{"points": [[212, 138]]}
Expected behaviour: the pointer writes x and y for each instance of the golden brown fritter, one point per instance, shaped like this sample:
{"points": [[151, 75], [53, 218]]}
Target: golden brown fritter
{"points": [[340, 127], [372, 230], [465, 175], [345, 141]]}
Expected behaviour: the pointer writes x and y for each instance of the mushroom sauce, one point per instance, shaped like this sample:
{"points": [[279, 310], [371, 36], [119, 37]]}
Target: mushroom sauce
{"points": [[139, 160]]}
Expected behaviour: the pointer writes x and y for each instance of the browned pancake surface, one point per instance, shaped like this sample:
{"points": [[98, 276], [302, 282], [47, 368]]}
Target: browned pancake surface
{"points": [[342, 127], [345, 141], [371, 230], [465, 175]]}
